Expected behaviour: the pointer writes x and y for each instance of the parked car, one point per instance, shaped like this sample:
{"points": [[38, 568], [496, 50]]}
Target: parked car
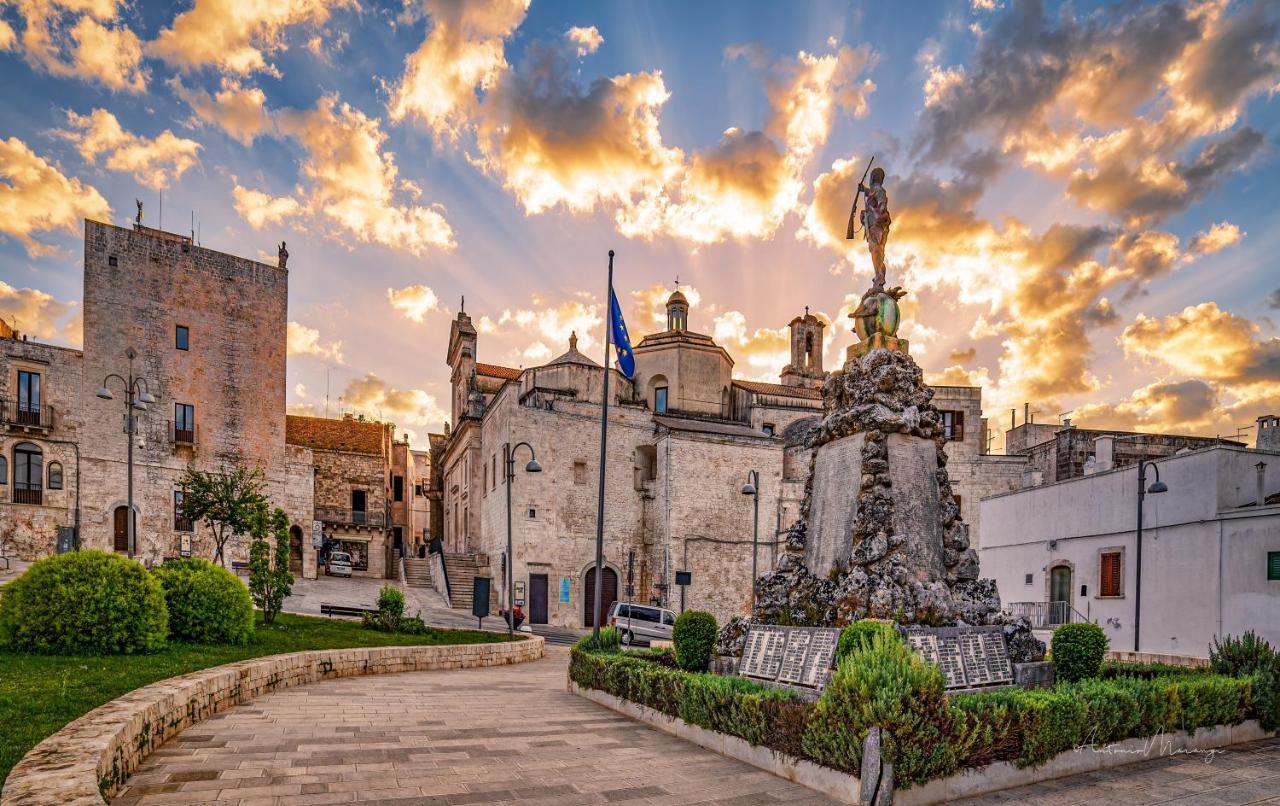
{"points": [[338, 565], [642, 623]]}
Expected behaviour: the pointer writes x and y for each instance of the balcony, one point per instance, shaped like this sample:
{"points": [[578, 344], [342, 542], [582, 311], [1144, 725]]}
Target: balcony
{"points": [[350, 517], [27, 494], [23, 416], [1046, 615], [184, 436]]}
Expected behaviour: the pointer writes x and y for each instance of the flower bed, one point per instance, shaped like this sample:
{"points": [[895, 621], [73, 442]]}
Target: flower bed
{"points": [[929, 735]]}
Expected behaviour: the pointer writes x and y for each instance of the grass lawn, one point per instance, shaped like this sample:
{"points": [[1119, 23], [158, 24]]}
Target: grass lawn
{"points": [[41, 693]]}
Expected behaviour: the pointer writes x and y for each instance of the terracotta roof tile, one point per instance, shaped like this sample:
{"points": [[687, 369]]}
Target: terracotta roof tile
{"points": [[780, 390], [327, 434], [495, 371]]}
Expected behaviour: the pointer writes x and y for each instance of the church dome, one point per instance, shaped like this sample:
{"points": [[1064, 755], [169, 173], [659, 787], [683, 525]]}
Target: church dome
{"points": [[676, 298]]}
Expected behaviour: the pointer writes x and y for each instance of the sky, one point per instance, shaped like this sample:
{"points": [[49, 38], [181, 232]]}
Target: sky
{"points": [[1083, 195]]}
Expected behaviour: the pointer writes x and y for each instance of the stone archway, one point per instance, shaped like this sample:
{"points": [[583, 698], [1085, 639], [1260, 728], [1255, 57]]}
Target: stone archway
{"points": [[608, 594], [295, 549]]}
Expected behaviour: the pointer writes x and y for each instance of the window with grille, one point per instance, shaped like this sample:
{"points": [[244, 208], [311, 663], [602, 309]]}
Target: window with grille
{"points": [[184, 423], [1109, 577], [953, 425], [181, 523]]}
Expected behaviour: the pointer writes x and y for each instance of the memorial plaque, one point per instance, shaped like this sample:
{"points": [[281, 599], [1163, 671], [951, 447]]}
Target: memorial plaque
{"points": [[822, 652], [795, 655], [950, 661], [976, 672], [750, 666], [924, 644], [968, 656], [997, 654], [775, 643]]}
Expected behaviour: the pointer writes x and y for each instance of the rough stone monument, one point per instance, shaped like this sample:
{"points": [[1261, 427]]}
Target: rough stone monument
{"points": [[880, 534]]}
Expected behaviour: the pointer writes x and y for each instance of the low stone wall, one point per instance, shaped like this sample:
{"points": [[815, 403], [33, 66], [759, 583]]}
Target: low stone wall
{"points": [[89, 760], [970, 783], [1190, 661]]}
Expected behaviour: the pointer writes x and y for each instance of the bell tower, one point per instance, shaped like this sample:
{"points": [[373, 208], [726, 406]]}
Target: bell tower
{"points": [[805, 368]]}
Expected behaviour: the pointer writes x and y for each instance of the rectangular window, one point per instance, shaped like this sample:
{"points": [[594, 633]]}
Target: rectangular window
{"points": [[181, 523], [28, 397], [493, 472], [397, 488], [184, 423], [358, 504], [1109, 573], [112, 260], [660, 399], [769, 429], [182, 338], [953, 425], [1030, 578], [579, 472], [958, 500], [1273, 565], [417, 490]]}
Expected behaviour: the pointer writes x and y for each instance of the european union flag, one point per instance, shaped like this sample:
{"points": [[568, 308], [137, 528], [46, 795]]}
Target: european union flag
{"points": [[621, 341]]}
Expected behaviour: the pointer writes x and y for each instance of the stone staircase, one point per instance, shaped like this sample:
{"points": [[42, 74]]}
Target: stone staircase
{"points": [[461, 569], [417, 572]]}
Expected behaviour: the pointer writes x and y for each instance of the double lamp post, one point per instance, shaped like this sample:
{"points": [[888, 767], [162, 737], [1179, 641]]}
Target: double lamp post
{"points": [[509, 467], [136, 397]]}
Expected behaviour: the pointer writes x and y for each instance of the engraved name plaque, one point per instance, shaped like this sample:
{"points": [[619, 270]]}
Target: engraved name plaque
{"points": [[795, 656], [969, 657]]}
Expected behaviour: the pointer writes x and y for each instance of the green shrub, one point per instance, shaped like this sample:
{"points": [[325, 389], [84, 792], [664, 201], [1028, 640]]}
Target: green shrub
{"points": [[858, 635], [1112, 669], [884, 684], [1078, 650], [269, 578], [1239, 657], [610, 641], [694, 636], [84, 602], [390, 613], [207, 603], [1266, 694]]}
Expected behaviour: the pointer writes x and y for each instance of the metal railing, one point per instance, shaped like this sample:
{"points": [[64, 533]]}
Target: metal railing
{"points": [[353, 517], [1046, 615], [185, 435], [26, 415], [27, 494]]}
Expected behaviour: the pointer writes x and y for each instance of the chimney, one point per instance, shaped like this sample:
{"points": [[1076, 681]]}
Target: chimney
{"points": [[1026, 413], [1104, 450], [1262, 483]]}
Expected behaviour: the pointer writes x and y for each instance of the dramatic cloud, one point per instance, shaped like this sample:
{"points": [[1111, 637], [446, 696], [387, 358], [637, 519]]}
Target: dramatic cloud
{"points": [[1217, 237], [758, 354], [648, 313], [1204, 341], [462, 54], [238, 36], [352, 182], [35, 196], [240, 111], [305, 341], [39, 315], [374, 397], [1188, 405], [154, 162], [82, 39], [414, 301], [544, 329]]}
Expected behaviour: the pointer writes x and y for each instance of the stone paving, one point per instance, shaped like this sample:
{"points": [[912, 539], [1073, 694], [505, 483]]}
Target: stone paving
{"points": [[509, 734]]}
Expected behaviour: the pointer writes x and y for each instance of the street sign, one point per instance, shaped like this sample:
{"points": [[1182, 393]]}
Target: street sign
{"points": [[185, 545], [684, 579], [480, 598], [564, 590], [317, 535]]}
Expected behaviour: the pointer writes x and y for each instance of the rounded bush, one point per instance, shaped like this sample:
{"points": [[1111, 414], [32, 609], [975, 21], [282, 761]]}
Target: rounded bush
{"points": [[694, 636], [207, 603], [84, 603], [391, 602], [1078, 650], [859, 635]]}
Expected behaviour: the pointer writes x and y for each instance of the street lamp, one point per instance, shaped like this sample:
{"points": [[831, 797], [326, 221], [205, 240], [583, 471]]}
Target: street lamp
{"points": [[509, 464], [1157, 486], [752, 488], [137, 396]]}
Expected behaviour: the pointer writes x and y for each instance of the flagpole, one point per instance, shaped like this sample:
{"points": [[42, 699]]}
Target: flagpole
{"points": [[604, 441]]}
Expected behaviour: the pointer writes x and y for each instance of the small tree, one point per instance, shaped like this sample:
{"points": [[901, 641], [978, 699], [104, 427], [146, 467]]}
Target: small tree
{"points": [[227, 500], [269, 578]]}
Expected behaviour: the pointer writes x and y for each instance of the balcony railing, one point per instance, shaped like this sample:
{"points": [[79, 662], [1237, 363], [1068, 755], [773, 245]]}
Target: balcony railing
{"points": [[25, 494], [350, 517], [1046, 615], [17, 414], [182, 434]]}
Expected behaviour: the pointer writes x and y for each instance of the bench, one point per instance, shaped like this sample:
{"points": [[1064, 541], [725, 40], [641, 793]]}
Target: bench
{"points": [[239, 565], [348, 611]]}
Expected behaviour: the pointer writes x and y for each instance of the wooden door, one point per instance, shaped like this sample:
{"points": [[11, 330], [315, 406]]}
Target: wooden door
{"points": [[537, 598], [121, 534], [608, 595], [295, 550]]}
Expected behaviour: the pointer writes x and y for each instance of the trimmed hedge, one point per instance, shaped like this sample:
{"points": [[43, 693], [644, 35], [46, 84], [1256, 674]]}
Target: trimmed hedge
{"points": [[694, 637], [928, 734], [207, 603], [84, 603], [1078, 650]]}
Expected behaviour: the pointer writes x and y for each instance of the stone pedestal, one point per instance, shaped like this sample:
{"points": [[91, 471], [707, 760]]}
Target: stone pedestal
{"points": [[837, 473], [876, 341]]}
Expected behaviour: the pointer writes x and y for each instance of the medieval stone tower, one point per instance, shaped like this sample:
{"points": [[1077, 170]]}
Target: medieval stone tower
{"points": [[805, 368]]}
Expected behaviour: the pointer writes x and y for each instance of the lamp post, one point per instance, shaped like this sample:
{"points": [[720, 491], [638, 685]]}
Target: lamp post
{"points": [[509, 464], [752, 488], [1157, 487], [137, 395]]}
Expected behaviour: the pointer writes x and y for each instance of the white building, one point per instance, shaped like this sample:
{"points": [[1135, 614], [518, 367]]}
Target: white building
{"points": [[1210, 550]]}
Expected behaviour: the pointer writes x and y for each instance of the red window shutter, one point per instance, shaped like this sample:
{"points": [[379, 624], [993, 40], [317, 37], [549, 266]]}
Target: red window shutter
{"points": [[1110, 582]]}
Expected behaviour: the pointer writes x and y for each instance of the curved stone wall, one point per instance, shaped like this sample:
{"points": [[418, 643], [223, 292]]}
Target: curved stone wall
{"points": [[88, 761]]}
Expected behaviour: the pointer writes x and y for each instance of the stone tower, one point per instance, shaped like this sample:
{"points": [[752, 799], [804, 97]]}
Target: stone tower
{"points": [[1268, 434], [805, 368], [462, 364]]}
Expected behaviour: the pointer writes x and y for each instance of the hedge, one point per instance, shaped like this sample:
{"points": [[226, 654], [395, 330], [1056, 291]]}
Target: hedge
{"points": [[207, 603], [1078, 650], [694, 637], [928, 734]]}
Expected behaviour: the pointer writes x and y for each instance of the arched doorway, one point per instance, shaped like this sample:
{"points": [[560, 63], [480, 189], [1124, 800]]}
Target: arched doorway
{"points": [[1060, 594], [295, 549], [608, 595], [120, 531]]}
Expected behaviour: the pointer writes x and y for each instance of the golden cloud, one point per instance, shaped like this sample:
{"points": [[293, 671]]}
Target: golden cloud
{"points": [[462, 54], [305, 341], [240, 111], [1216, 238], [758, 354], [1190, 405], [649, 306], [154, 162], [259, 209], [374, 397], [414, 301], [38, 314], [35, 196], [238, 36], [78, 39], [1204, 341]]}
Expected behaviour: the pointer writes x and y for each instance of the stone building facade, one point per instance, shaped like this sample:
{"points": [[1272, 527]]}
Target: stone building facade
{"points": [[683, 436], [1060, 452]]}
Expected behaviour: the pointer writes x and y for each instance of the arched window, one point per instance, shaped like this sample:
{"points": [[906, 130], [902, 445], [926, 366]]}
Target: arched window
{"points": [[4, 470], [28, 473], [55, 475]]}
